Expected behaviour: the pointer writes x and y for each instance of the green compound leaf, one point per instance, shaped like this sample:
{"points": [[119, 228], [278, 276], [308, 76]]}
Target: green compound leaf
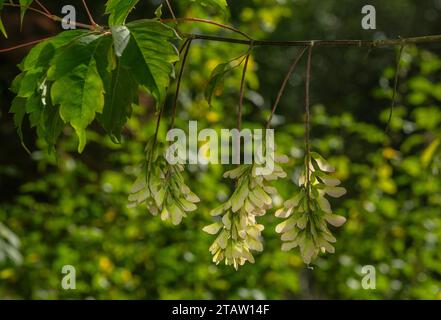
{"points": [[78, 87], [150, 56], [118, 10], [32, 89]]}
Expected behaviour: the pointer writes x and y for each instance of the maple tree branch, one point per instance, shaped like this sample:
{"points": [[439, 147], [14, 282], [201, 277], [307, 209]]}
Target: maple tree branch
{"points": [[249, 41], [302, 43]]}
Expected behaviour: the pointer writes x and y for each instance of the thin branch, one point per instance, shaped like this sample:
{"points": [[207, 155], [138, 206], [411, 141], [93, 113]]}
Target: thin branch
{"points": [[92, 21], [308, 125], [394, 95], [170, 9], [185, 49], [332, 43], [285, 82], [220, 25], [43, 7], [155, 141], [51, 16], [27, 44]]}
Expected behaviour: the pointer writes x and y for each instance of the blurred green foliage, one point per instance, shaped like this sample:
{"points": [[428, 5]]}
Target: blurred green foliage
{"points": [[71, 210]]}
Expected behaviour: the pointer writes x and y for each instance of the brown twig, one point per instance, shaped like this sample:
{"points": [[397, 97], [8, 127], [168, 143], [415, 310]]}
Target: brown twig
{"points": [[92, 21], [394, 94], [326, 43], [170, 9], [23, 45], [285, 82], [185, 48], [43, 7]]}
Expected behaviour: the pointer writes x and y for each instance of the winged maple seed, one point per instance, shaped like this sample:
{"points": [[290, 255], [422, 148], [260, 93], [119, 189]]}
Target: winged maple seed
{"points": [[308, 213], [238, 232], [162, 188]]}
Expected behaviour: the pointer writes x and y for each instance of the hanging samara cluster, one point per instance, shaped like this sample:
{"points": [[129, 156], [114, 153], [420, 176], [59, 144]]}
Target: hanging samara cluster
{"points": [[162, 188]]}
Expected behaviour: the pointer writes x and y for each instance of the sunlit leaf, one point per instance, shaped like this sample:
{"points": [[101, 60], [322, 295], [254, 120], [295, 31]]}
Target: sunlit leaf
{"points": [[118, 10]]}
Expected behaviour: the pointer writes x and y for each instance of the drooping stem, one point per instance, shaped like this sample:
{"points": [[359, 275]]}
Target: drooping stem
{"points": [[284, 83], [394, 94], [185, 49], [43, 7], [308, 127], [242, 93], [92, 21], [240, 107], [170, 8]]}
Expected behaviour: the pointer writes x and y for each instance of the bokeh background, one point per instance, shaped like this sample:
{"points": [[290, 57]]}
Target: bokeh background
{"points": [[71, 209]]}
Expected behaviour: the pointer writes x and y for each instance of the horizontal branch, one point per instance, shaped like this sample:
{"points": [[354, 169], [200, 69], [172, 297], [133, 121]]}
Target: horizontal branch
{"points": [[302, 43]]}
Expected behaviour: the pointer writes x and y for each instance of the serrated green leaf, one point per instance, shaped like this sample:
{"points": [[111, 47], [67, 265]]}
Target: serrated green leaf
{"points": [[78, 87], [217, 76], [79, 52], [150, 56], [121, 38], [118, 102], [80, 95], [30, 82], [42, 54], [118, 10]]}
